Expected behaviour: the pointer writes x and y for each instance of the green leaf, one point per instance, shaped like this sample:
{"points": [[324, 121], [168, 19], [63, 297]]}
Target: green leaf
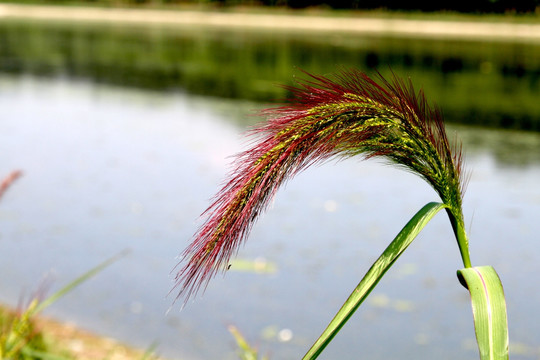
{"points": [[29, 353], [374, 275], [489, 311], [73, 284], [246, 351]]}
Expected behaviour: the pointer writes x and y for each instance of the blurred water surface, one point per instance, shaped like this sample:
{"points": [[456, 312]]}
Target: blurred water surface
{"points": [[110, 166]]}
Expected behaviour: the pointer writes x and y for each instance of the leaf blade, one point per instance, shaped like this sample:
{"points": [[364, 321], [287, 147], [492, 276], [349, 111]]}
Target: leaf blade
{"points": [[489, 311], [74, 283], [374, 274]]}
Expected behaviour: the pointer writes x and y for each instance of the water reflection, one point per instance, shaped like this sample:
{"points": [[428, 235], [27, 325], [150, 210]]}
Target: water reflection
{"points": [[483, 83], [110, 168], [513, 149]]}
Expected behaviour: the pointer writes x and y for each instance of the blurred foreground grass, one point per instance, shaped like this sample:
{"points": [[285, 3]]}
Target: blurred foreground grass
{"points": [[26, 335], [51, 339]]}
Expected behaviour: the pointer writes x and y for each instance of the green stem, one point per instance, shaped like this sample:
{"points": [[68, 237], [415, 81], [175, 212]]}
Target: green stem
{"points": [[461, 237]]}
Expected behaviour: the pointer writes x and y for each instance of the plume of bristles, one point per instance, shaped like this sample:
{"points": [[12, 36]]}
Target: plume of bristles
{"points": [[343, 115]]}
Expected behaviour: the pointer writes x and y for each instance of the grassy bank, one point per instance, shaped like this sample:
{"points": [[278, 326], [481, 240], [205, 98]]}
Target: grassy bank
{"points": [[59, 340], [279, 6], [315, 11]]}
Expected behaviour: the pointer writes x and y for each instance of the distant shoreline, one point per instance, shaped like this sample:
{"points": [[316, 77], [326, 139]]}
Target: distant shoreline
{"points": [[451, 29]]}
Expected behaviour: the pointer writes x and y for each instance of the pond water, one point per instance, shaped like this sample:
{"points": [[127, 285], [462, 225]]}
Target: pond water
{"points": [[109, 168]]}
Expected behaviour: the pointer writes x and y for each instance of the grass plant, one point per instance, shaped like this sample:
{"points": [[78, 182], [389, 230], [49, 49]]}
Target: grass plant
{"points": [[340, 116], [21, 339], [245, 350], [25, 337]]}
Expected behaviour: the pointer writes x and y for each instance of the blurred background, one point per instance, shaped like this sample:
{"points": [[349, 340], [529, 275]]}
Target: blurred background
{"points": [[124, 131]]}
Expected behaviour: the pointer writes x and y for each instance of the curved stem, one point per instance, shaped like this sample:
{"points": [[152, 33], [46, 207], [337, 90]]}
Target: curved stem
{"points": [[461, 237]]}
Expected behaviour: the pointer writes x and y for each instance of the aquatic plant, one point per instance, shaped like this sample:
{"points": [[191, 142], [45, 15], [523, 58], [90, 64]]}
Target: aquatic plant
{"points": [[348, 114]]}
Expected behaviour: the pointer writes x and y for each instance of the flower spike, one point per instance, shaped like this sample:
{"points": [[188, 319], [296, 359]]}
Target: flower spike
{"points": [[344, 115]]}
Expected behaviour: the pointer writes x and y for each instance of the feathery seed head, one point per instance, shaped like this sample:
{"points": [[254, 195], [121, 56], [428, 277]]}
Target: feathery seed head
{"points": [[346, 115]]}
